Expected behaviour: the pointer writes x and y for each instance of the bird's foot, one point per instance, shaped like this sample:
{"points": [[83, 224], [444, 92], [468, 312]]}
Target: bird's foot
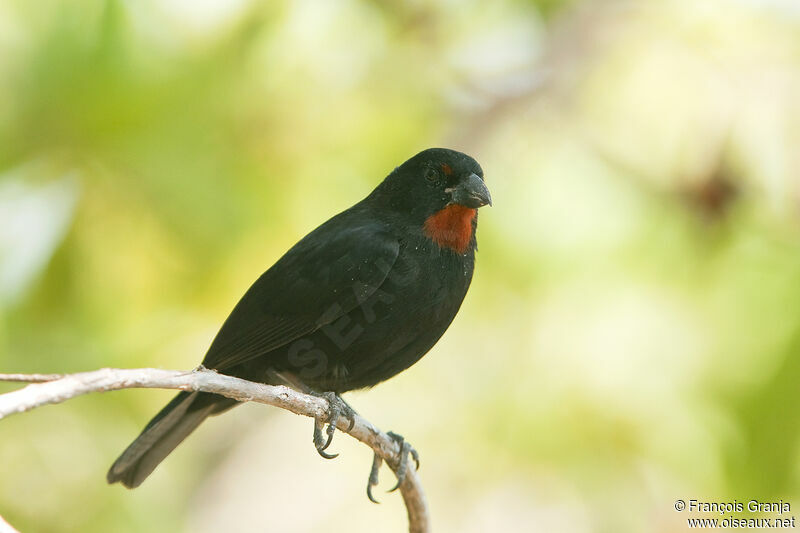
{"points": [[405, 450], [337, 408]]}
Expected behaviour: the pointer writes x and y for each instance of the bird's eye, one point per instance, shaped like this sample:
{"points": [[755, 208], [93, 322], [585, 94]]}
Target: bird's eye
{"points": [[431, 174]]}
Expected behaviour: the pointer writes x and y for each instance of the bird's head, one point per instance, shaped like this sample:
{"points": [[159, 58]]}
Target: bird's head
{"points": [[433, 180], [441, 190]]}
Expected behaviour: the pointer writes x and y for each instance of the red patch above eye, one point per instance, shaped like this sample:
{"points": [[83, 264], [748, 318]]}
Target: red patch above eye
{"points": [[446, 169], [451, 227]]}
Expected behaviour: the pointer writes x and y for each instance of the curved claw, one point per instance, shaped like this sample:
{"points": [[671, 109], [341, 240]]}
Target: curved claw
{"points": [[327, 455], [327, 442], [318, 443], [321, 445], [373, 477], [370, 496], [336, 408]]}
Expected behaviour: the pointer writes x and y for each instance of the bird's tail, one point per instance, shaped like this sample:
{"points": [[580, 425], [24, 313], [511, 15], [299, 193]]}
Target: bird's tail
{"points": [[165, 431]]}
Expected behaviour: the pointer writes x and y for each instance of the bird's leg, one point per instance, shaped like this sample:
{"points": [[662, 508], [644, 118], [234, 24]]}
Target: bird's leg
{"points": [[337, 407], [405, 450]]}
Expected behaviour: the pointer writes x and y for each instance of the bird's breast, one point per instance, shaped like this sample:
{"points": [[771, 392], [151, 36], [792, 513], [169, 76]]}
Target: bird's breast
{"points": [[451, 227]]}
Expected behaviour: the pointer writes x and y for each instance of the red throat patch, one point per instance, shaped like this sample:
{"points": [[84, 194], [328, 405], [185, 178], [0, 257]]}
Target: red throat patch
{"points": [[451, 227]]}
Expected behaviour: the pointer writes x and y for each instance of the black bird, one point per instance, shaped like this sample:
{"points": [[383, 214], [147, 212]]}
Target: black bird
{"points": [[359, 299]]}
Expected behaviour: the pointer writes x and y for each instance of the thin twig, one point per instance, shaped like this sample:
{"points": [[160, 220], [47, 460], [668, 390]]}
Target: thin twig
{"points": [[5, 527], [30, 378], [53, 388]]}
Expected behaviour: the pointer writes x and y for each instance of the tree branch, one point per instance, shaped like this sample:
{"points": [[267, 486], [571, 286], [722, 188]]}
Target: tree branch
{"points": [[56, 388], [30, 378], [5, 527]]}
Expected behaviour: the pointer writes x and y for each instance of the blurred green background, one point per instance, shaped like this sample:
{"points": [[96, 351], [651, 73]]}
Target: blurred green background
{"points": [[632, 335]]}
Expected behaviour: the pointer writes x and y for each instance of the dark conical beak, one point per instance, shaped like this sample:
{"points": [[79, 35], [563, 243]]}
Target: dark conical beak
{"points": [[472, 192]]}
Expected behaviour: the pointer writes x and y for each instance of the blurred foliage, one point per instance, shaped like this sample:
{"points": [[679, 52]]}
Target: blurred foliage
{"points": [[631, 336]]}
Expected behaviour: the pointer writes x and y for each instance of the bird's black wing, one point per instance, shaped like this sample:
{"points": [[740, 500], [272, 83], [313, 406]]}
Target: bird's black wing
{"points": [[324, 276]]}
